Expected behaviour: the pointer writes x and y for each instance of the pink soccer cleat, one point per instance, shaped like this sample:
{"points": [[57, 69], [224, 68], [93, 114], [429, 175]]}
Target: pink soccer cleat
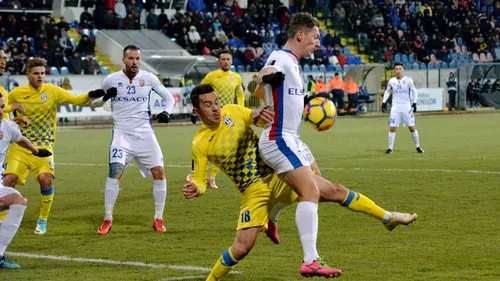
{"points": [[105, 227], [272, 232], [158, 225], [320, 269]]}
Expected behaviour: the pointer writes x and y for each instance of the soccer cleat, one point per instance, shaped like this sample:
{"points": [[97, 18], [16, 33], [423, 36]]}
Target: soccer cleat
{"points": [[5, 263], [211, 182], [319, 268], [41, 227], [189, 177], [420, 150], [388, 151], [400, 218], [105, 227], [272, 232], [158, 225]]}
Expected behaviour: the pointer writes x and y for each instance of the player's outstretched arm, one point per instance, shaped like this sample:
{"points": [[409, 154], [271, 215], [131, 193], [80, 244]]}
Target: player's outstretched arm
{"points": [[386, 96], [26, 143], [64, 96], [262, 116], [12, 107], [259, 91], [110, 93]]}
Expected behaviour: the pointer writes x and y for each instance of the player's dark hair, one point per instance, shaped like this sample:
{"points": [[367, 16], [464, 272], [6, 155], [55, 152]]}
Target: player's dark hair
{"points": [[301, 21], [225, 52], [131, 48], [199, 90], [36, 62], [400, 64]]}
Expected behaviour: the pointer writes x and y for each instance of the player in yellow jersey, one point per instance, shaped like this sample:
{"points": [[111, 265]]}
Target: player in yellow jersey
{"points": [[227, 140], [228, 86], [40, 102]]}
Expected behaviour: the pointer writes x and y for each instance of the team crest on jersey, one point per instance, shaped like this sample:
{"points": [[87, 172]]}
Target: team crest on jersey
{"points": [[141, 83], [43, 96], [228, 121], [120, 84], [231, 78]]}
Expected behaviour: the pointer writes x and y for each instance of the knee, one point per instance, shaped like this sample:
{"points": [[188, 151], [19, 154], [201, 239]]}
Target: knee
{"points": [[412, 129], [9, 180], [45, 182], [240, 250], [158, 173]]}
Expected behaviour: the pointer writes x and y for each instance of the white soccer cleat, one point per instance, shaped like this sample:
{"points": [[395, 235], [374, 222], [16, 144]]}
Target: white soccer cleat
{"points": [[41, 227], [211, 183], [399, 218]]}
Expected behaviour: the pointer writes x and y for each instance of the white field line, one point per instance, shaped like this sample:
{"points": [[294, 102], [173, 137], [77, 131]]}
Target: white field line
{"points": [[333, 169], [184, 278], [112, 262]]}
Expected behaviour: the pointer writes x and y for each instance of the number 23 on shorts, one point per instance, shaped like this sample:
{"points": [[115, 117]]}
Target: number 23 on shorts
{"points": [[117, 153]]}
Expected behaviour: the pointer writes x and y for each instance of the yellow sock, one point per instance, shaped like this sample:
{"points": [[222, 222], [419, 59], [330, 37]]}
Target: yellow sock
{"points": [[46, 198], [224, 264], [3, 214], [357, 202], [214, 171]]}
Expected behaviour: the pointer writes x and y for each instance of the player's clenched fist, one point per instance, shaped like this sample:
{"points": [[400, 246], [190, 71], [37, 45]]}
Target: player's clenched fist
{"points": [[191, 190], [96, 93], [42, 152], [274, 79], [263, 116], [110, 93]]}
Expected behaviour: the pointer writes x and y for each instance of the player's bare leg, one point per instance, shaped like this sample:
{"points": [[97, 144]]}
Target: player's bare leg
{"points": [[414, 135], [46, 199], [160, 196], [111, 191], [16, 205], [392, 137], [242, 245]]}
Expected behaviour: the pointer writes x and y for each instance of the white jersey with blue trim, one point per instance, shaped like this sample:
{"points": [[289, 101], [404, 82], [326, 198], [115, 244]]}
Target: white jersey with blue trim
{"points": [[10, 133], [287, 101], [130, 108], [404, 93]]}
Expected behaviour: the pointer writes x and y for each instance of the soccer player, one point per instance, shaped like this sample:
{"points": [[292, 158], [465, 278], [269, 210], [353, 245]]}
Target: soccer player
{"points": [[227, 141], [228, 86], [281, 85], [11, 199], [40, 102], [133, 136], [404, 104]]}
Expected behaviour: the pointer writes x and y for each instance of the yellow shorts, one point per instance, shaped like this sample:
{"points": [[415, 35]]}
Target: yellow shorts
{"points": [[258, 200], [20, 161]]}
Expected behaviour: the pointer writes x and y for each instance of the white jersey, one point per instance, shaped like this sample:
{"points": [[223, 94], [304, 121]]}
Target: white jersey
{"points": [[130, 108], [11, 133], [404, 93], [288, 100]]}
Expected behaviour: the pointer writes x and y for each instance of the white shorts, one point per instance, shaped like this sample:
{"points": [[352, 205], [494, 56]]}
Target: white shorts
{"points": [[397, 117], [286, 154], [143, 147], [4, 191]]}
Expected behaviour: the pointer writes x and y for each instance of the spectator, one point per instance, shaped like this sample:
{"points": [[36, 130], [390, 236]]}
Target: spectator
{"points": [[152, 20], [129, 22], [352, 90], [194, 36], [85, 46], [56, 58], [66, 85], [86, 19], [90, 65], [496, 86], [109, 19], [487, 87], [65, 44], [321, 88], [336, 85], [452, 90], [471, 93], [236, 9], [121, 13], [162, 18], [166, 83]]}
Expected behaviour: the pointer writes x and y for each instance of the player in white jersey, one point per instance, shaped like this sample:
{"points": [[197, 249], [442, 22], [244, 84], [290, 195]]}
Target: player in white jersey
{"points": [[10, 198], [280, 145], [404, 104], [133, 136]]}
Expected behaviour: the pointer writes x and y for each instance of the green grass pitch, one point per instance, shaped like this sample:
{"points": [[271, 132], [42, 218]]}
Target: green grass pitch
{"points": [[454, 187]]}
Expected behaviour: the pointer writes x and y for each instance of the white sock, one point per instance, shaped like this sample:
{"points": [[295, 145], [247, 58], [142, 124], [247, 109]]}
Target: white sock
{"points": [[392, 137], [110, 194], [10, 225], [275, 212], [160, 196], [415, 138], [306, 217]]}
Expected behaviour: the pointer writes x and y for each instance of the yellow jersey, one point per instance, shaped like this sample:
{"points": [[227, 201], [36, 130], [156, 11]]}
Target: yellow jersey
{"points": [[227, 85], [41, 109], [8, 107], [232, 146]]}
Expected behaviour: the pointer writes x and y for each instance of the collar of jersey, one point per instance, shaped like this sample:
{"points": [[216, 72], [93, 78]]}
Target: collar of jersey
{"points": [[288, 51]]}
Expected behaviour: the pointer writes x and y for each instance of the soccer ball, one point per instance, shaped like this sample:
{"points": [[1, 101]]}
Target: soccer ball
{"points": [[320, 114]]}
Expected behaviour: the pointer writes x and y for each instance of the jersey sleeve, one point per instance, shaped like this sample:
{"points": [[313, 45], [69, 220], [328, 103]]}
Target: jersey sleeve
{"points": [[199, 165], [106, 83], [63, 96], [273, 61], [387, 91], [14, 131], [244, 113], [164, 93], [208, 79], [240, 94], [413, 90]]}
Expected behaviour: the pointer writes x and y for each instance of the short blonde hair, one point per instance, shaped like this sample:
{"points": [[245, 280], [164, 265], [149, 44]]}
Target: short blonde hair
{"points": [[35, 63]]}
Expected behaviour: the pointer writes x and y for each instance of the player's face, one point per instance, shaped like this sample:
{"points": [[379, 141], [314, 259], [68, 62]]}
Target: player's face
{"points": [[399, 71], [2, 107], [132, 61], [309, 41], [3, 62], [36, 76], [225, 61], [209, 111]]}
